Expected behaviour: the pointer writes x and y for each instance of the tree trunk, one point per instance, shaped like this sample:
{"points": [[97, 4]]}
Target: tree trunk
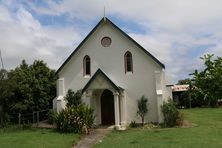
{"points": [[142, 121]]}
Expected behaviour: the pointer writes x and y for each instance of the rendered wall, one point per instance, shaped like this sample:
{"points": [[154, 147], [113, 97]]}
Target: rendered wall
{"points": [[111, 61]]}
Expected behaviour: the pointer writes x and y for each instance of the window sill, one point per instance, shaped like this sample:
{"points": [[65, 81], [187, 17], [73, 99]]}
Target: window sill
{"points": [[129, 73], [87, 76]]}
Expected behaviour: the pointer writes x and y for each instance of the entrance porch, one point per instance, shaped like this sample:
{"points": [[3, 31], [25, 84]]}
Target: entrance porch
{"points": [[107, 100]]}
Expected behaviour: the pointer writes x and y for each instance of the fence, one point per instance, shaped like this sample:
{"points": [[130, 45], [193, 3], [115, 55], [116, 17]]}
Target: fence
{"points": [[34, 117]]}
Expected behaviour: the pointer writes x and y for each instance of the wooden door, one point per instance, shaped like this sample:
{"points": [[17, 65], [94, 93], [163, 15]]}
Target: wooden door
{"points": [[107, 108]]}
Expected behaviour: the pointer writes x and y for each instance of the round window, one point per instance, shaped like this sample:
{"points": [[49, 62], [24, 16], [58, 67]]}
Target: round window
{"points": [[106, 41]]}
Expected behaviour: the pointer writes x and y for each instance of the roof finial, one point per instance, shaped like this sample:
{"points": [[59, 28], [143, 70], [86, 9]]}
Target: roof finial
{"points": [[104, 13]]}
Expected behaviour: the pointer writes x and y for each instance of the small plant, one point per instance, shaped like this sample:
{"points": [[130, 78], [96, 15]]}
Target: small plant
{"points": [[171, 114], [133, 124], [142, 108]]}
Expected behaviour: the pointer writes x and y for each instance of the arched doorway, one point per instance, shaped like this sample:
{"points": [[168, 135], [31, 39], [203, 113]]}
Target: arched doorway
{"points": [[107, 108]]}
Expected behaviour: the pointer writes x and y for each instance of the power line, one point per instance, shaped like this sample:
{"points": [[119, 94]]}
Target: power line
{"points": [[1, 59]]}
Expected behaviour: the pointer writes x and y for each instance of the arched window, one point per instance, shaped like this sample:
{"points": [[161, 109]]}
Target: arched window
{"points": [[86, 66], [128, 62]]}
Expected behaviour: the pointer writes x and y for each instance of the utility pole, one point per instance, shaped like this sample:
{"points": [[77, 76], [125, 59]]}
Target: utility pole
{"points": [[1, 59]]}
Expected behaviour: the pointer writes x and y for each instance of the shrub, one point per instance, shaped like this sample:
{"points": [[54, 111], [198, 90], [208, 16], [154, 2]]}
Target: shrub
{"points": [[76, 119], [142, 108], [73, 98], [133, 124], [171, 114], [51, 116]]}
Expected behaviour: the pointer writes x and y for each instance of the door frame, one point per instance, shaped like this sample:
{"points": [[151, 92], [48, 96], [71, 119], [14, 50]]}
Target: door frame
{"points": [[107, 109]]}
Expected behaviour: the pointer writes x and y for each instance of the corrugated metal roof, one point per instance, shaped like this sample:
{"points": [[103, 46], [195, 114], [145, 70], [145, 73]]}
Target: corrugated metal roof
{"points": [[180, 88]]}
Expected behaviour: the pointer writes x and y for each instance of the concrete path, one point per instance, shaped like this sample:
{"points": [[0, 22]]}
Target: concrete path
{"points": [[95, 136]]}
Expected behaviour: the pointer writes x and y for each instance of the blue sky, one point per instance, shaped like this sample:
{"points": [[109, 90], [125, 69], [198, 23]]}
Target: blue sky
{"points": [[177, 32]]}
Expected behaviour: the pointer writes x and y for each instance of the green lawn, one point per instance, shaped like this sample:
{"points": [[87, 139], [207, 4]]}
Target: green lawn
{"points": [[207, 133], [36, 138]]}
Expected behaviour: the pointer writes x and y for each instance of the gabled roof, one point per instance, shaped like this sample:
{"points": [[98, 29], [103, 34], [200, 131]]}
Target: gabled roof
{"points": [[126, 35], [99, 71]]}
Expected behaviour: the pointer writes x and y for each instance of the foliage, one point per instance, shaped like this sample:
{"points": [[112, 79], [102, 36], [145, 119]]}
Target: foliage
{"points": [[170, 113], [6, 92], [33, 88], [76, 119], [205, 87], [183, 82], [73, 98], [208, 88], [25, 89], [7, 88], [52, 116], [133, 124], [142, 108], [4, 119]]}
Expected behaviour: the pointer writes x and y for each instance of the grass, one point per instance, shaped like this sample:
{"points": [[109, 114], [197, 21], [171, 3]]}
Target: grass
{"points": [[35, 138], [207, 133]]}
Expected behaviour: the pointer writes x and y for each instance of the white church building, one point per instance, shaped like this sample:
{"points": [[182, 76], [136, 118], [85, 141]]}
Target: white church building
{"points": [[113, 71]]}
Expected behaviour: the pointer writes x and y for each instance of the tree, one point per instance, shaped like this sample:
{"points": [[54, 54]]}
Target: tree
{"points": [[142, 108], [6, 92], [43, 85], [184, 81], [22, 99], [7, 88], [34, 87], [208, 82]]}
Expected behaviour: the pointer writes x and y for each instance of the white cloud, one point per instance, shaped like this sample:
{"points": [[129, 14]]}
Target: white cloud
{"points": [[156, 46], [23, 37], [173, 29], [26, 20], [172, 14]]}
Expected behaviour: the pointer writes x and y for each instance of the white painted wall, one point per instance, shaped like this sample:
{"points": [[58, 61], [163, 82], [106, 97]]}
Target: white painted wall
{"points": [[111, 61]]}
